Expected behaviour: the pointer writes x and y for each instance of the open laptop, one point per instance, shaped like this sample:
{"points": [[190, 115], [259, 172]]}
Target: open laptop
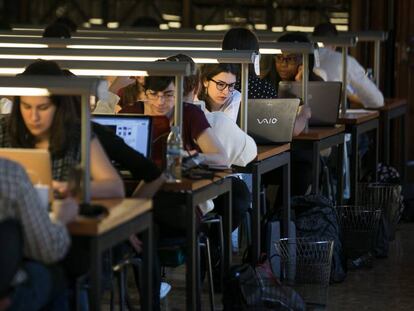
{"points": [[272, 121], [134, 129], [36, 162], [323, 99]]}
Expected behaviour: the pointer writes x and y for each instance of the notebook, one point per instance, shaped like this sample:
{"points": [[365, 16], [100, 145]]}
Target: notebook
{"points": [[36, 162], [323, 99], [272, 120], [134, 129]]}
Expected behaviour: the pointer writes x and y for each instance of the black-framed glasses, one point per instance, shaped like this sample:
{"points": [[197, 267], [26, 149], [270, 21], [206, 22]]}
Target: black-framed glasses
{"points": [[288, 59], [221, 86], [155, 95]]}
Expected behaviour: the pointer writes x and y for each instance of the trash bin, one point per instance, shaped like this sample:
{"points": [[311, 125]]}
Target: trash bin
{"points": [[306, 266], [384, 196], [359, 227]]}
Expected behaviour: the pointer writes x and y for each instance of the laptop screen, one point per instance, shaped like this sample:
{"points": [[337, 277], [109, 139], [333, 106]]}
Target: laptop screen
{"points": [[135, 130]]}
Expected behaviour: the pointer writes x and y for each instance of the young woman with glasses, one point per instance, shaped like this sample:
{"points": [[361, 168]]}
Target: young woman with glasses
{"points": [[218, 91]]}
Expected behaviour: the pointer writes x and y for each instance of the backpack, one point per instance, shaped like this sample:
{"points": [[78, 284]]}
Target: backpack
{"points": [[316, 219], [248, 288]]}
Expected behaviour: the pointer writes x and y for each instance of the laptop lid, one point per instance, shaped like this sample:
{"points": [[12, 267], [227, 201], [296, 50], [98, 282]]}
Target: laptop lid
{"points": [[272, 120], [134, 129], [323, 99], [36, 162]]}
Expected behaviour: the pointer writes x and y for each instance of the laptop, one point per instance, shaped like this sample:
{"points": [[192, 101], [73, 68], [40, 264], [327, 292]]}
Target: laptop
{"points": [[272, 121], [134, 129], [323, 99], [36, 162]]}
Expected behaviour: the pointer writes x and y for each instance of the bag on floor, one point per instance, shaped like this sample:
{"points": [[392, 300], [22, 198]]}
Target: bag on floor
{"points": [[316, 219]]}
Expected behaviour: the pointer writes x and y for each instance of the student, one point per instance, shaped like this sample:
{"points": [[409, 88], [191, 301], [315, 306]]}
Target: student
{"points": [[218, 82], [51, 123], [244, 39], [360, 88], [46, 239]]}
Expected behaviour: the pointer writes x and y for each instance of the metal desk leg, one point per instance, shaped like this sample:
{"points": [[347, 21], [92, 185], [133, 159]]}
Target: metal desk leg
{"points": [[286, 197], [340, 174], [315, 166], [376, 152], [95, 275], [147, 239], [386, 139], [227, 227], [403, 156], [354, 164], [256, 215], [191, 261]]}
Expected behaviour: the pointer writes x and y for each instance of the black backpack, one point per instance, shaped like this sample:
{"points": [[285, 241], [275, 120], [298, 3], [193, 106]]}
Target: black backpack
{"points": [[316, 219]]}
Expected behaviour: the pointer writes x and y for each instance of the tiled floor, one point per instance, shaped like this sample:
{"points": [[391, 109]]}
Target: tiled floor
{"points": [[388, 286]]}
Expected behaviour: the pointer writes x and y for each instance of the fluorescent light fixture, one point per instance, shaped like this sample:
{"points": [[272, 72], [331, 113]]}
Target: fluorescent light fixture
{"points": [[199, 27], [129, 47], [205, 61], [174, 24], [217, 27], [112, 25], [277, 29], [20, 36], [86, 25], [170, 17], [96, 21], [164, 27], [300, 28], [23, 91], [75, 57], [342, 27], [270, 51], [321, 45], [340, 14], [11, 71], [260, 26], [337, 20], [104, 72], [23, 45], [26, 29]]}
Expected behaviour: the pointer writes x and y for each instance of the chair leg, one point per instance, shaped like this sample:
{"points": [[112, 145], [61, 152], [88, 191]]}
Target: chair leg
{"points": [[121, 288], [210, 274]]}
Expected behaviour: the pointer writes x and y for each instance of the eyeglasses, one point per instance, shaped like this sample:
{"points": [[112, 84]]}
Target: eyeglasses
{"points": [[289, 59], [154, 96], [221, 86]]}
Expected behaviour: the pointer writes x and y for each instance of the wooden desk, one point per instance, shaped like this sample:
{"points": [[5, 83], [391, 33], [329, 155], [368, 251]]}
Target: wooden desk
{"points": [[357, 123], [394, 108], [268, 159], [126, 217], [195, 192], [317, 139]]}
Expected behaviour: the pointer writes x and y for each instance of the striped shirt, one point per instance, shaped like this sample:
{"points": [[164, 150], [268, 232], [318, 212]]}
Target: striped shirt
{"points": [[44, 240]]}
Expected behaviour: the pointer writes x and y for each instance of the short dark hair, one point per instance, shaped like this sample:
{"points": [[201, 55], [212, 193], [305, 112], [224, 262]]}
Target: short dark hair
{"points": [[325, 30], [208, 71], [67, 22], [192, 81], [240, 39], [157, 84], [65, 123], [57, 30]]}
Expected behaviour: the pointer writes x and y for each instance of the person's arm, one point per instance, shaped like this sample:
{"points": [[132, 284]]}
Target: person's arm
{"points": [[106, 182], [45, 240], [364, 89], [211, 148], [301, 119]]}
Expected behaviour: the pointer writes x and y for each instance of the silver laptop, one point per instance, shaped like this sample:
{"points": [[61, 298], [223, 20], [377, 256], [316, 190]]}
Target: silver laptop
{"points": [[323, 99], [272, 120], [134, 129]]}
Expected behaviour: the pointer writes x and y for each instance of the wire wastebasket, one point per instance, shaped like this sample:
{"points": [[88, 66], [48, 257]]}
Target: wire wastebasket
{"points": [[306, 266], [383, 196], [359, 227]]}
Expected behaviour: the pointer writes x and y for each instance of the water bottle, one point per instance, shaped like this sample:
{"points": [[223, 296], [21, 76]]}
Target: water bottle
{"points": [[370, 75], [174, 157]]}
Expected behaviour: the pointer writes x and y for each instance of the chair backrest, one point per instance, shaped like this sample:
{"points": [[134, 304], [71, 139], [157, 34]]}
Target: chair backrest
{"points": [[11, 253]]}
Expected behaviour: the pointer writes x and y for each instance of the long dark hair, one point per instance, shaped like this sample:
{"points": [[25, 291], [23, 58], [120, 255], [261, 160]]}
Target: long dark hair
{"points": [[65, 126], [208, 71], [273, 76]]}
